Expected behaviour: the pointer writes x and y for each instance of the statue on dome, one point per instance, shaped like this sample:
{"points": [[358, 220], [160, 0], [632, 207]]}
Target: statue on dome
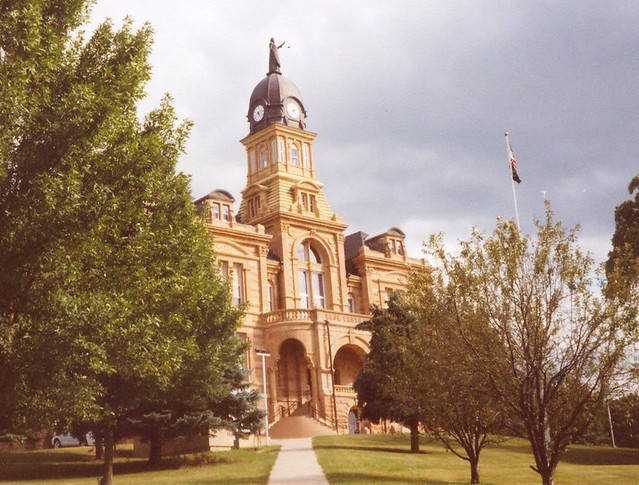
{"points": [[273, 57]]}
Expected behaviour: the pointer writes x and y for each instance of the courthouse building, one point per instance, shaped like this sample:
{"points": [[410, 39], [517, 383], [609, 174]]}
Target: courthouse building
{"points": [[285, 254]]}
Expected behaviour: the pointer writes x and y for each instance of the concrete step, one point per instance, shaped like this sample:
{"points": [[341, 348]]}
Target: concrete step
{"points": [[298, 427]]}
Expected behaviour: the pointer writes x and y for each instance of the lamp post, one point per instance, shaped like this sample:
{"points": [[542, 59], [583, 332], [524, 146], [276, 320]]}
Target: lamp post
{"points": [[264, 354], [330, 360]]}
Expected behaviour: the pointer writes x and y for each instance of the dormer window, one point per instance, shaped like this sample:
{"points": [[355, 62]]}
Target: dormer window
{"points": [[220, 211], [396, 246]]}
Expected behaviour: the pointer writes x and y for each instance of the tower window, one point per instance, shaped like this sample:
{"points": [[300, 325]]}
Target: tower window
{"points": [[295, 157], [305, 156], [252, 161], [254, 205], [307, 201], [263, 157]]}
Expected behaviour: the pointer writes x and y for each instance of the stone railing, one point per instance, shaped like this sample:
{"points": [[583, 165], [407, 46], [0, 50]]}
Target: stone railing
{"points": [[288, 315], [345, 390], [313, 315]]}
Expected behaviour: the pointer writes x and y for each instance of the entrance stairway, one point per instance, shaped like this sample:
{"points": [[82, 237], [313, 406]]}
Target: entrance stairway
{"points": [[298, 425]]}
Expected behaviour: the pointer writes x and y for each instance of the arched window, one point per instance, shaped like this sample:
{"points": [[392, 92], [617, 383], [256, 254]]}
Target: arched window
{"points": [[305, 156], [295, 155], [311, 281], [263, 157], [253, 161]]}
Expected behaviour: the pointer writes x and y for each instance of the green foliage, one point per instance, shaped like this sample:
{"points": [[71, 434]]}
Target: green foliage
{"points": [[625, 420], [109, 298], [382, 459], [625, 241], [549, 346], [386, 385], [458, 406], [239, 408], [622, 267]]}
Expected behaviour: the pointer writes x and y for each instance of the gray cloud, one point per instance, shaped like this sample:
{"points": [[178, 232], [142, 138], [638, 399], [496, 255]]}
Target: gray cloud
{"points": [[410, 101]]}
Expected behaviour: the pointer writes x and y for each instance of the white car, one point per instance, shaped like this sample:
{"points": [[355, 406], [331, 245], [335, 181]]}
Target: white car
{"points": [[66, 439]]}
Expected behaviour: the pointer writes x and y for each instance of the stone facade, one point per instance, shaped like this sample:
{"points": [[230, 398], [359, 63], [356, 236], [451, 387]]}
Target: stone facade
{"points": [[285, 255]]}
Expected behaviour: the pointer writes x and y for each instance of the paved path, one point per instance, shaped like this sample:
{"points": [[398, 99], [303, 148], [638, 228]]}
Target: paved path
{"points": [[296, 464]]}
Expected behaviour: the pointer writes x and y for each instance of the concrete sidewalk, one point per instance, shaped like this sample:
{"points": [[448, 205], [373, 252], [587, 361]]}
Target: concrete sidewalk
{"points": [[296, 464]]}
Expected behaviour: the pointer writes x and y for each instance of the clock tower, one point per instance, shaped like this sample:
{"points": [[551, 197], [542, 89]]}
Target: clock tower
{"points": [[282, 192], [305, 286]]}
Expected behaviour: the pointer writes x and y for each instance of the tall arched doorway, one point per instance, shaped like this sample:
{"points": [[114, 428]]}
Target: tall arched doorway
{"points": [[349, 360], [293, 383]]}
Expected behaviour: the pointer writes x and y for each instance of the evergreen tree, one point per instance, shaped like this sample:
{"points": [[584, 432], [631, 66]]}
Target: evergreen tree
{"points": [[386, 386], [240, 406]]}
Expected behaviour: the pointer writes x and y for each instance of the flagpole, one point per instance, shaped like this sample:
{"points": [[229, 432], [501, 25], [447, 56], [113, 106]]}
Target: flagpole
{"points": [[512, 180]]}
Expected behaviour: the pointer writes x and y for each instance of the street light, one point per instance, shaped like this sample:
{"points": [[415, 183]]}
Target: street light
{"points": [[264, 354]]}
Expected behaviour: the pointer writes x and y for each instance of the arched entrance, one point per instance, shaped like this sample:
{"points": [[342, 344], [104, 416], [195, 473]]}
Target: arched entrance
{"points": [[349, 360], [293, 378]]}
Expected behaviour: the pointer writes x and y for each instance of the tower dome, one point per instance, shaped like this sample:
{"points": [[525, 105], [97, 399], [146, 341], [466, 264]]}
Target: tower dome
{"points": [[275, 99]]}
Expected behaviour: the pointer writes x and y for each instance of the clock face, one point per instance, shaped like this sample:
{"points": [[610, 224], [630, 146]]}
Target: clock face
{"points": [[293, 109], [258, 112]]}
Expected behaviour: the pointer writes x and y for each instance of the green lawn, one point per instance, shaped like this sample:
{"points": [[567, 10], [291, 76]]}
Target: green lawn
{"points": [[384, 459], [355, 459], [76, 466]]}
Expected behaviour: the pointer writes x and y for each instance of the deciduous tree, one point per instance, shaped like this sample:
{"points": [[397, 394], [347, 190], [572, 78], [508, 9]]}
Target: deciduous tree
{"points": [[459, 407], [559, 344], [107, 286]]}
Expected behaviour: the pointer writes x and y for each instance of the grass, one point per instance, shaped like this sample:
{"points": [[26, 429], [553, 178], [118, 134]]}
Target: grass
{"points": [[354, 459], [385, 459], [76, 466]]}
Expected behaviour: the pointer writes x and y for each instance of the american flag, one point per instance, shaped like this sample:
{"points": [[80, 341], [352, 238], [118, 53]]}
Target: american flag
{"points": [[513, 164]]}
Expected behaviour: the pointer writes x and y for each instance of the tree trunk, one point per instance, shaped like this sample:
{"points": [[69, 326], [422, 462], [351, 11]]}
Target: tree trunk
{"points": [[414, 435], [107, 474], [548, 479], [99, 448], [474, 470], [155, 450]]}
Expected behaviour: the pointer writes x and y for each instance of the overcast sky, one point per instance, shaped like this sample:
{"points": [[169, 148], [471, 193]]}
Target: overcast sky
{"points": [[410, 101]]}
